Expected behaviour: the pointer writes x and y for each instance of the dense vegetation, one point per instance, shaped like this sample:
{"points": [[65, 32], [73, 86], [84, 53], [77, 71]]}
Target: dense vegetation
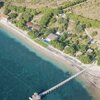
{"points": [[46, 18]]}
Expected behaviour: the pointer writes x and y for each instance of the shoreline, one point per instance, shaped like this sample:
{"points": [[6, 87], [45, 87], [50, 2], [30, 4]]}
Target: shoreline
{"points": [[53, 56]]}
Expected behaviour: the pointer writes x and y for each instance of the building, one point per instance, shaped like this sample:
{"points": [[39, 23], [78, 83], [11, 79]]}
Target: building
{"points": [[89, 50], [58, 33], [29, 24], [51, 37]]}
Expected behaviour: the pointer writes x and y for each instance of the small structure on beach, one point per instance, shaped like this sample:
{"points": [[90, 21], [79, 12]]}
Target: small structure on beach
{"points": [[51, 37]]}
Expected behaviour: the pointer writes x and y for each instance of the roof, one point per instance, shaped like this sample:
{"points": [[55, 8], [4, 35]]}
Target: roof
{"points": [[29, 24], [52, 36], [89, 50]]}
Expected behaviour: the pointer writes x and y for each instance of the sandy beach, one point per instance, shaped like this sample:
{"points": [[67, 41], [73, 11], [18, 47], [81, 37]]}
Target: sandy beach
{"points": [[72, 66]]}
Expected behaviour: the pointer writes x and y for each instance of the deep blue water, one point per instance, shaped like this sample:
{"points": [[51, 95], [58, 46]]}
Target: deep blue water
{"points": [[22, 73]]}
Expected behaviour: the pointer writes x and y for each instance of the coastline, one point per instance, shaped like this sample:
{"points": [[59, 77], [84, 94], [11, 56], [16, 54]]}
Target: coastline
{"points": [[52, 55]]}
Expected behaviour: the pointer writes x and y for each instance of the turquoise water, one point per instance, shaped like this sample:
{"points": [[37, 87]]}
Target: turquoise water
{"points": [[22, 73]]}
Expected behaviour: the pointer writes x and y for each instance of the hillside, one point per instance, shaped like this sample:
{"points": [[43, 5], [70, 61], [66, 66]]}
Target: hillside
{"points": [[89, 9], [37, 3]]}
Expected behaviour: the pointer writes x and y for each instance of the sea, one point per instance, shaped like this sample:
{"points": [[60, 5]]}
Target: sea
{"points": [[23, 72]]}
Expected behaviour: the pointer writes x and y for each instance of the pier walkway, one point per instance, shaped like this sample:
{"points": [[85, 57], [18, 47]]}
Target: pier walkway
{"points": [[37, 96]]}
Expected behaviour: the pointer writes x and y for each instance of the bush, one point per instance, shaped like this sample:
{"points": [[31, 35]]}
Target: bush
{"points": [[32, 34], [7, 11], [69, 50], [80, 27], [98, 57], [53, 20], [60, 20], [83, 48], [13, 15], [26, 16], [94, 33], [57, 45], [20, 23], [59, 10], [46, 19], [20, 9], [85, 59]]}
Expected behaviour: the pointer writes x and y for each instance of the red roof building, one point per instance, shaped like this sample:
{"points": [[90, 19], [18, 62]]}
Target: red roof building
{"points": [[29, 24]]}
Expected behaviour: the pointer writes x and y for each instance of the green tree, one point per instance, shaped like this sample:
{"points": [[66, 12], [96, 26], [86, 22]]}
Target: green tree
{"points": [[94, 33], [61, 28], [98, 61], [46, 19], [69, 50], [86, 59], [13, 15], [57, 11], [98, 57], [53, 20], [26, 16], [83, 48], [20, 23], [32, 34], [57, 45], [80, 27], [60, 20], [21, 9]]}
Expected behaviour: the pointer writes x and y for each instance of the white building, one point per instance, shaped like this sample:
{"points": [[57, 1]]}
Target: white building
{"points": [[62, 15], [89, 50]]}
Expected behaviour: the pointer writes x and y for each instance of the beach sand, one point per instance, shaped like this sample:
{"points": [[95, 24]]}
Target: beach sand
{"points": [[71, 67]]}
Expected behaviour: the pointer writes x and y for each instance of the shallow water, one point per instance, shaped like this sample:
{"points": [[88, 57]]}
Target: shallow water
{"points": [[22, 73]]}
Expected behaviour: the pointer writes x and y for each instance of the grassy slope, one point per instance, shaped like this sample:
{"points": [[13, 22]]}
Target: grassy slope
{"points": [[37, 3], [90, 9]]}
